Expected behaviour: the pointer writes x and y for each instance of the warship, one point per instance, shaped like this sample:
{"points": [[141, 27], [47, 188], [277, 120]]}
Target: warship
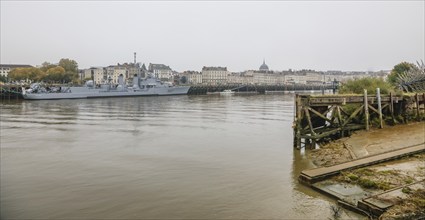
{"points": [[150, 86]]}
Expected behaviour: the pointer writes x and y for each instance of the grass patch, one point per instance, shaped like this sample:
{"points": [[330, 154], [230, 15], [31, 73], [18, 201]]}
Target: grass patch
{"points": [[406, 190], [365, 172], [367, 183], [409, 180], [389, 172], [352, 177]]}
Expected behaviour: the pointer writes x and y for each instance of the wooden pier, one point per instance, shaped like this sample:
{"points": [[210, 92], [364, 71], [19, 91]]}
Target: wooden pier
{"points": [[10, 92], [318, 118]]}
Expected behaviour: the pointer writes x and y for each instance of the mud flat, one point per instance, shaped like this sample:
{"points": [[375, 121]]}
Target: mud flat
{"points": [[392, 188], [362, 144]]}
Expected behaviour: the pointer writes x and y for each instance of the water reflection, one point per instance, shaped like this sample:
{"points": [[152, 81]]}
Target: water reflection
{"points": [[154, 157]]}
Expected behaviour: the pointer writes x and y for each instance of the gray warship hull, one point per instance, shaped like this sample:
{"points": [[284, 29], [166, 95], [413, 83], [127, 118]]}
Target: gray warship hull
{"points": [[84, 93], [149, 86]]}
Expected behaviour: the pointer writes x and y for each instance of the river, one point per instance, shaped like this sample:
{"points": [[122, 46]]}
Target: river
{"points": [[202, 157]]}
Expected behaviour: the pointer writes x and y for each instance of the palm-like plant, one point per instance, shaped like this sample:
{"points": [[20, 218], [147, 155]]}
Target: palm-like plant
{"points": [[413, 80]]}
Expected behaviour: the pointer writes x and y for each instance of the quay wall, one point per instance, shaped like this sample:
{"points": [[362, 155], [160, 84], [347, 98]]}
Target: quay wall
{"points": [[9, 92]]}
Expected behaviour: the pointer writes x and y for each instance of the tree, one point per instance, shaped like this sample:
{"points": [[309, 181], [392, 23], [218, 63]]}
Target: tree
{"points": [[398, 70], [46, 65], [55, 74], [71, 69], [69, 65], [18, 74], [412, 80], [27, 73]]}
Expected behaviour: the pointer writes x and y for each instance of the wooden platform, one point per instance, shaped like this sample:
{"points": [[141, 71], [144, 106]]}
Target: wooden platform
{"points": [[317, 174]]}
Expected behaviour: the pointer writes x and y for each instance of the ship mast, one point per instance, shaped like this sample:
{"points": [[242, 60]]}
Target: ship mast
{"points": [[134, 58]]}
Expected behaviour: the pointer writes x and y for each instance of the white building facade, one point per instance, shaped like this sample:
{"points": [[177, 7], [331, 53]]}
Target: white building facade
{"points": [[214, 75]]}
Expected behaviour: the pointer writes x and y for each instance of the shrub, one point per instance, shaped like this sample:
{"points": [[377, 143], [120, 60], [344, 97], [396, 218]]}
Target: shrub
{"points": [[370, 84]]}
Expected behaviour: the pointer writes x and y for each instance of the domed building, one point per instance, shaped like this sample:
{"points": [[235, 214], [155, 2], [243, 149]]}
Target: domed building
{"points": [[264, 67]]}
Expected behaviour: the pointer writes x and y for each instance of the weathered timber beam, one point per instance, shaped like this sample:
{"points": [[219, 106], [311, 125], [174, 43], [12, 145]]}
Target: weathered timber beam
{"points": [[366, 109], [338, 111], [374, 109], [343, 111], [338, 100], [385, 106], [353, 115], [378, 95], [319, 114], [307, 114]]}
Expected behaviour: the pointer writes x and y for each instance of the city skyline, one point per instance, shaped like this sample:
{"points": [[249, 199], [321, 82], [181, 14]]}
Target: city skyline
{"points": [[347, 36]]}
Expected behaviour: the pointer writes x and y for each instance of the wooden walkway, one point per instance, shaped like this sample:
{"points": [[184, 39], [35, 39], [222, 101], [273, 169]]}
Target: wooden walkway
{"points": [[317, 174]]}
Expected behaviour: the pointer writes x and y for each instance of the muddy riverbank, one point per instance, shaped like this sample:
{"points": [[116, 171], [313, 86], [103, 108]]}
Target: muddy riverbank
{"points": [[367, 143], [390, 190]]}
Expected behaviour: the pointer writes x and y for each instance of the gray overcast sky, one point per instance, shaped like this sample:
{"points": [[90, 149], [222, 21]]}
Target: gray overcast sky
{"points": [[186, 35]]}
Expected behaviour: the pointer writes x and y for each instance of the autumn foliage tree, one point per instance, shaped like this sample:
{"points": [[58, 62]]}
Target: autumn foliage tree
{"points": [[55, 74], [28, 73], [66, 71]]}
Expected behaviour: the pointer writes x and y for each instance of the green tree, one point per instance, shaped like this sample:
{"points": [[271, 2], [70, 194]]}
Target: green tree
{"points": [[399, 69], [71, 69], [69, 65], [55, 74]]}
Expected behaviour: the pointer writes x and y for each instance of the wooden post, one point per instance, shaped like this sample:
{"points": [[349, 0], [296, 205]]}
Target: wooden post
{"points": [[297, 132], [340, 122], [392, 107], [378, 96], [313, 134], [423, 100], [418, 116], [366, 109]]}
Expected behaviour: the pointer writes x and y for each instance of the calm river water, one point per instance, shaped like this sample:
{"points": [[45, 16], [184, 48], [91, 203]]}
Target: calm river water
{"points": [[203, 157]]}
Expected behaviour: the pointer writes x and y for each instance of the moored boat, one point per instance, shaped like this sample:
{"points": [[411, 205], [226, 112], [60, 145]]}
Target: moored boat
{"points": [[227, 92]]}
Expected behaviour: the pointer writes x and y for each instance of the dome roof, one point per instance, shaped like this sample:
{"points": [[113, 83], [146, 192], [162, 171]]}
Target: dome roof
{"points": [[264, 66]]}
